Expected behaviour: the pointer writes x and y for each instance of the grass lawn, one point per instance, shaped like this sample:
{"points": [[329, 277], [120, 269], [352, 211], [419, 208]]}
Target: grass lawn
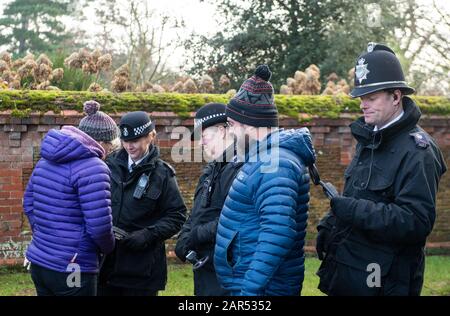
{"points": [[437, 279]]}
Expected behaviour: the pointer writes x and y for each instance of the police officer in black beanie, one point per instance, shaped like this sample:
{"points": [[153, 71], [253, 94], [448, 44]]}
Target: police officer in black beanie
{"points": [[372, 240], [199, 232], [147, 209]]}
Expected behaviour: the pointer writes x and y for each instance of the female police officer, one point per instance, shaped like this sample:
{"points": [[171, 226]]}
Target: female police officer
{"points": [[147, 209]]}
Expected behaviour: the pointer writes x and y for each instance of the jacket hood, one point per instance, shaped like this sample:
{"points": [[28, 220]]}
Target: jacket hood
{"points": [[69, 144], [297, 141]]}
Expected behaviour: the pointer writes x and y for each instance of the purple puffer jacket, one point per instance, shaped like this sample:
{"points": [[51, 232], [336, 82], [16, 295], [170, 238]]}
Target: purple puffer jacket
{"points": [[68, 203]]}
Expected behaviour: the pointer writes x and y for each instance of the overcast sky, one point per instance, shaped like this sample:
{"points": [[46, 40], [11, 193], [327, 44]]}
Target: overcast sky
{"points": [[199, 17]]}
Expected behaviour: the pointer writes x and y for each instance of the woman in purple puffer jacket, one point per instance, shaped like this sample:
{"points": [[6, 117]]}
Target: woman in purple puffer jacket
{"points": [[67, 202]]}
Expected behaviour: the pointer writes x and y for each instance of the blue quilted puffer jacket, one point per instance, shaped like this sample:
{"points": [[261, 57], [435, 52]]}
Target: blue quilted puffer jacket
{"points": [[262, 227]]}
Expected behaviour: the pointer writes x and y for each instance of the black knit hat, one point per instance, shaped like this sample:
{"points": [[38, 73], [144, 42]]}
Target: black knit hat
{"points": [[208, 115], [378, 69], [134, 125], [253, 104]]}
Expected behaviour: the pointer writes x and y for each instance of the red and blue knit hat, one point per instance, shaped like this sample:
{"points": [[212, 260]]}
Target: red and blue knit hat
{"points": [[253, 104]]}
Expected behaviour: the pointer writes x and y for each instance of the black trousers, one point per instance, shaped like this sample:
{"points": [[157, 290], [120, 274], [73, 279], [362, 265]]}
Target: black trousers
{"points": [[53, 283], [206, 284], [108, 290]]}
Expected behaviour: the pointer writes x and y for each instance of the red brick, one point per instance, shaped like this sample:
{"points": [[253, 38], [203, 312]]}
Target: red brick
{"points": [[10, 217], [43, 128], [321, 129], [15, 128], [11, 187], [33, 120], [14, 143], [16, 180], [5, 194], [59, 120], [48, 119], [16, 209], [16, 194], [10, 172], [16, 120], [10, 202], [15, 136], [5, 209], [22, 164], [5, 180], [71, 121], [14, 225], [318, 142]]}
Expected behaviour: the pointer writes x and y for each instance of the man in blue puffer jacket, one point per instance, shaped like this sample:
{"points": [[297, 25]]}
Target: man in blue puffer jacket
{"points": [[67, 202], [262, 227]]}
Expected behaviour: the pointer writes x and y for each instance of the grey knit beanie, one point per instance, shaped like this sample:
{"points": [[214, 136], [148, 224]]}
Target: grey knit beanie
{"points": [[97, 124]]}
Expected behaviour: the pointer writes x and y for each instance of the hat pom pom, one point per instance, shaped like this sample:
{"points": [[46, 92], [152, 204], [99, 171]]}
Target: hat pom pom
{"points": [[91, 107], [263, 72]]}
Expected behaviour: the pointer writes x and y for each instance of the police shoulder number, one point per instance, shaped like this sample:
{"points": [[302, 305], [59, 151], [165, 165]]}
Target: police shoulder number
{"points": [[420, 139]]}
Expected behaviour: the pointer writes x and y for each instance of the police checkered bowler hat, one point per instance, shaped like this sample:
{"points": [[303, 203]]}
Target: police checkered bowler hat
{"points": [[378, 69], [208, 115], [135, 124]]}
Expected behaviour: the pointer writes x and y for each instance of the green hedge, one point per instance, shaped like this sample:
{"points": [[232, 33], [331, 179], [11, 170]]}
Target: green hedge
{"points": [[22, 102]]}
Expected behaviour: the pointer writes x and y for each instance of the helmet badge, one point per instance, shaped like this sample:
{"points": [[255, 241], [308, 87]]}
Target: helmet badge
{"points": [[361, 70]]}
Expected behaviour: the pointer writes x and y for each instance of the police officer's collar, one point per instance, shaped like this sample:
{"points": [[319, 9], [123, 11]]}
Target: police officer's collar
{"points": [[153, 153], [397, 118], [137, 162], [121, 157]]}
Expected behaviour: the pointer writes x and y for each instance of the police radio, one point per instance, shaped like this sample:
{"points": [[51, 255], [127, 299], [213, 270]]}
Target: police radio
{"points": [[141, 186], [329, 189]]}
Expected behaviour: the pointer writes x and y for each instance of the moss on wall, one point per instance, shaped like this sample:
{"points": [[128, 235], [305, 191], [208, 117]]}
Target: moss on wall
{"points": [[22, 102]]}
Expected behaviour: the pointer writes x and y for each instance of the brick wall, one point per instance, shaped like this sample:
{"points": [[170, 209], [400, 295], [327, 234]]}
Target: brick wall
{"points": [[20, 143]]}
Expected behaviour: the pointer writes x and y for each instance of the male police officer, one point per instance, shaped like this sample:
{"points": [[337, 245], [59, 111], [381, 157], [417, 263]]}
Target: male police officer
{"points": [[147, 209], [199, 232], [375, 233]]}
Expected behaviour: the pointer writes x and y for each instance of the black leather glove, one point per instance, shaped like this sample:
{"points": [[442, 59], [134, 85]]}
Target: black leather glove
{"points": [[323, 238], [138, 240], [344, 208], [183, 246]]}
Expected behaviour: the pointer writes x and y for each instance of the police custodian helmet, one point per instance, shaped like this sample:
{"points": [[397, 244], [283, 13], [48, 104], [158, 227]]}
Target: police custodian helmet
{"points": [[378, 69], [134, 125]]}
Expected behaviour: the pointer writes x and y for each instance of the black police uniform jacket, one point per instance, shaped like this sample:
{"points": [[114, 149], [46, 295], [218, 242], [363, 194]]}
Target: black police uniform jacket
{"points": [[161, 209], [199, 231], [390, 209]]}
